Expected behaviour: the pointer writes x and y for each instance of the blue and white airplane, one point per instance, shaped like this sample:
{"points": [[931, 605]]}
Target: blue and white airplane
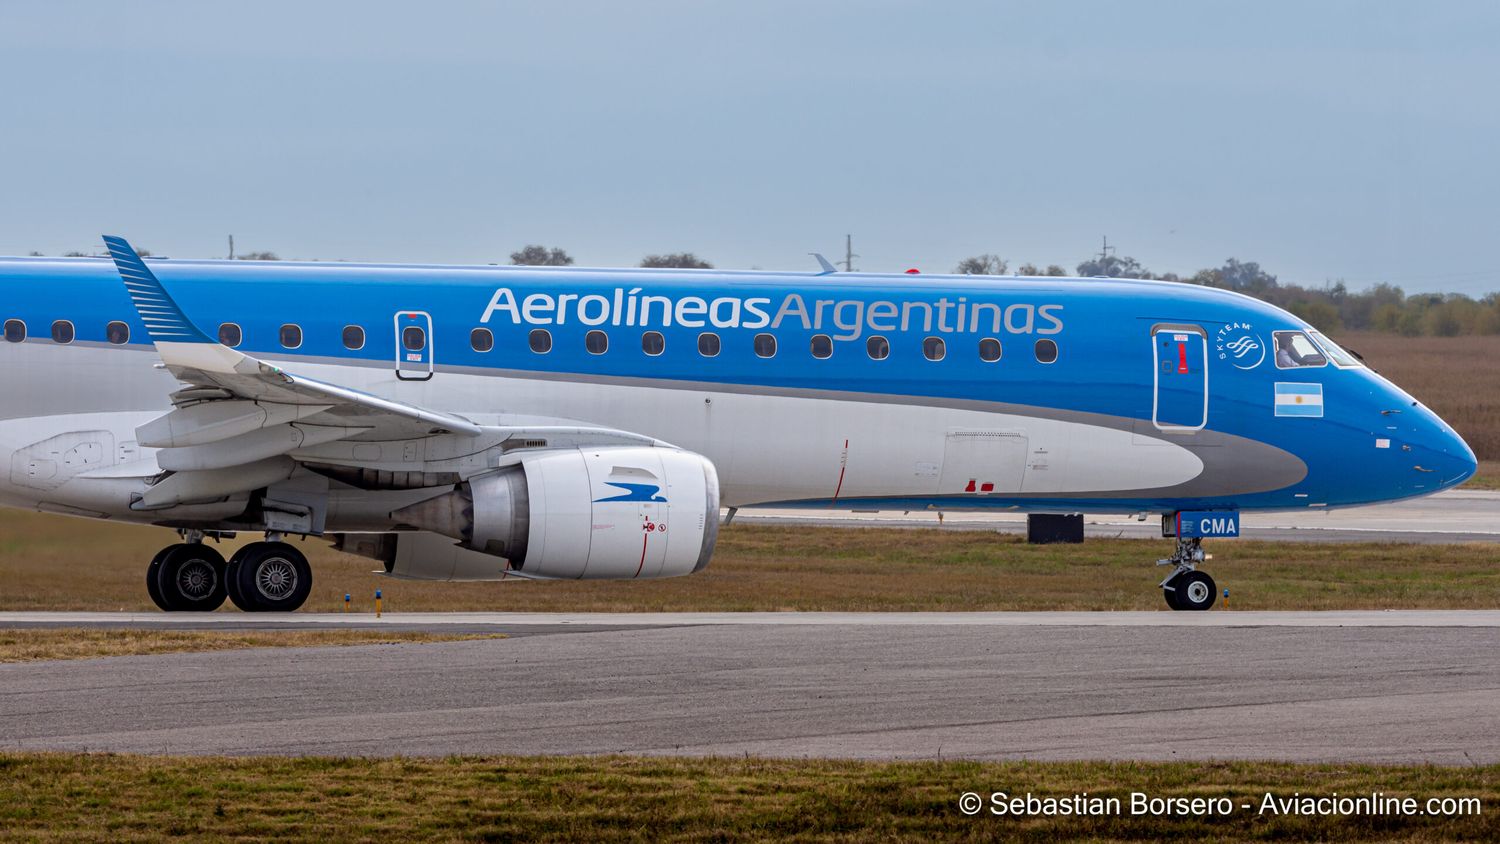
{"points": [[484, 423]]}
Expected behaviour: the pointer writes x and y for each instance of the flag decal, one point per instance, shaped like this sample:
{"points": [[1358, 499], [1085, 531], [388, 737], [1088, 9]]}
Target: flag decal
{"points": [[1299, 399]]}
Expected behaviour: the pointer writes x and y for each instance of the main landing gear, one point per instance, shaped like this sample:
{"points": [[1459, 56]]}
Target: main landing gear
{"points": [[1186, 588], [269, 576]]}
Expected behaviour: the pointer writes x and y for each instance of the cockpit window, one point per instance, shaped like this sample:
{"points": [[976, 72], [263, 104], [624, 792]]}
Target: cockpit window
{"points": [[1295, 350], [1340, 356]]}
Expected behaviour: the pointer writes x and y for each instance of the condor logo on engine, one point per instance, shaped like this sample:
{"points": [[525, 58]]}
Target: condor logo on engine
{"points": [[1206, 523], [650, 493]]}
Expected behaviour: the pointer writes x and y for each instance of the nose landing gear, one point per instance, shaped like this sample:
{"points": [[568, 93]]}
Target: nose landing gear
{"points": [[1186, 588]]}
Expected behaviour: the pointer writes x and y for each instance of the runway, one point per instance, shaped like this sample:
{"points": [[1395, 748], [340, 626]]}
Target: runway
{"points": [[1376, 687], [1459, 515]]}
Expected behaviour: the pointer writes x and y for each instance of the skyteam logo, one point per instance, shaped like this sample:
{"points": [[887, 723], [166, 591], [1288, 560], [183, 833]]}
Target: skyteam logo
{"points": [[1240, 345], [648, 493]]}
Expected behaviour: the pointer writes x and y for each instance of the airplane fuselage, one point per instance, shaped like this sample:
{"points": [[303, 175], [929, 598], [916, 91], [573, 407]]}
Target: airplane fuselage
{"points": [[868, 391]]}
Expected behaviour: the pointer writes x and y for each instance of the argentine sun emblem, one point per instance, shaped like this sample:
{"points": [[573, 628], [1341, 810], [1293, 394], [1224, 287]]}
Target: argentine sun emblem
{"points": [[1240, 345]]}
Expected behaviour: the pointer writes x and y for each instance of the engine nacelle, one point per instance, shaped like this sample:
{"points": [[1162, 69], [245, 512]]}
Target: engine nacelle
{"points": [[600, 514]]}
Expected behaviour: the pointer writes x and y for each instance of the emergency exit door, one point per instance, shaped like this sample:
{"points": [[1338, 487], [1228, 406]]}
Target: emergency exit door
{"points": [[1180, 353], [413, 345]]}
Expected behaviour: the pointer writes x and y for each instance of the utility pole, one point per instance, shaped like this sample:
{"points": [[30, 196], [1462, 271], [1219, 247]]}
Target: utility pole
{"points": [[1105, 249], [849, 255], [231, 247]]}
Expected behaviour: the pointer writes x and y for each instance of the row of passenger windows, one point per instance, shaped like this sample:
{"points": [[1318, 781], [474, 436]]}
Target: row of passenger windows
{"points": [[414, 339], [821, 345], [117, 333]]}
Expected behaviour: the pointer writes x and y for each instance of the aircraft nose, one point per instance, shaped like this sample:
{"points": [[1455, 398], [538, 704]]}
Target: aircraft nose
{"points": [[1451, 459]]}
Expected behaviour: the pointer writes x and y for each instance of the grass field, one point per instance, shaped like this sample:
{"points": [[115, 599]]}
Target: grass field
{"points": [[34, 644], [48, 797], [53, 563]]}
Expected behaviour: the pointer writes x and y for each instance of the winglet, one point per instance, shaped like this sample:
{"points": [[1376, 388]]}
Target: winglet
{"points": [[823, 262], [164, 320]]}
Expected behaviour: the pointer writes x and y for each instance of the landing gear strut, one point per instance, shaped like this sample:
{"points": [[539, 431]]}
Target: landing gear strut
{"points": [[267, 576], [1186, 588]]}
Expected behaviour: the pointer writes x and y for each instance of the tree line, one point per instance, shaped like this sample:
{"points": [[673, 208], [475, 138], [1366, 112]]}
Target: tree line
{"points": [[1332, 307]]}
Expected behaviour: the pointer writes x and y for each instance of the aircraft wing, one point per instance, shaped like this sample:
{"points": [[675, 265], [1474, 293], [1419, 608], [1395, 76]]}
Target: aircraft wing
{"points": [[241, 424], [201, 362]]}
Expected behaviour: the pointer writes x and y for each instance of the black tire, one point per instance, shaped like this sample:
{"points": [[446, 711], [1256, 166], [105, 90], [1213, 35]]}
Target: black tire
{"points": [[1195, 591], [151, 574], [245, 603], [1170, 593], [189, 578], [269, 577]]}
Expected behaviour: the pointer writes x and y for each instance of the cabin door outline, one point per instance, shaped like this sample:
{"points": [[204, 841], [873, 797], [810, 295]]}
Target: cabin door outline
{"points": [[1179, 381], [414, 362]]}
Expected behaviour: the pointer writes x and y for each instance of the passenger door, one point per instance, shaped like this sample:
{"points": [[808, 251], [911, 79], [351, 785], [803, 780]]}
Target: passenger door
{"points": [[413, 346], [1180, 384]]}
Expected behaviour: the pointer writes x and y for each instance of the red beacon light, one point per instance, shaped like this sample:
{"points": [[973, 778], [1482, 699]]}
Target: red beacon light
{"points": [[913, 271]]}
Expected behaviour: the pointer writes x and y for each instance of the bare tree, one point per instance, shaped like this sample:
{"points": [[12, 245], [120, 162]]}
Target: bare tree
{"points": [[682, 260], [982, 265], [536, 255], [258, 256]]}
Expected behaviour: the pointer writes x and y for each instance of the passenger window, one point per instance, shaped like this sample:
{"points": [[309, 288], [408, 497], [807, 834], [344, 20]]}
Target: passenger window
{"points": [[1046, 351], [481, 340], [414, 338], [540, 340], [708, 344], [117, 333], [597, 342], [989, 350], [765, 345], [933, 348], [62, 332], [652, 343], [354, 338], [878, 348], [230, 334], [1294, 351], [291, 336], [15, 331], [822, 346]]}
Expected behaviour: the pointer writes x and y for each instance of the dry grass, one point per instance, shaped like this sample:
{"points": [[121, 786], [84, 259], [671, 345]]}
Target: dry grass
{"points": [[50, 797], [54, 563], [35, 644], [1458, 377]]}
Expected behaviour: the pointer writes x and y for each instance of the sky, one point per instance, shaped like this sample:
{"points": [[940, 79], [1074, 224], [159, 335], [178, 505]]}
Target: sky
{"points": [[1325, 140]]}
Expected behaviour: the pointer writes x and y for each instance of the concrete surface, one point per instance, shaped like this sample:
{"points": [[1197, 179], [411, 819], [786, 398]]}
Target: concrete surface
{"points": [[1377, 687]]}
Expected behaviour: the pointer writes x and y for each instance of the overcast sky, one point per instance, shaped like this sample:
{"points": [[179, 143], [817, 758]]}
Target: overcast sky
{"points": [[1326, 140]]}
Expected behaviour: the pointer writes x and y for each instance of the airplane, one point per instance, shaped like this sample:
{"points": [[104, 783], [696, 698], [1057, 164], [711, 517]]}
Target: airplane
{"points": [[538, 423]]}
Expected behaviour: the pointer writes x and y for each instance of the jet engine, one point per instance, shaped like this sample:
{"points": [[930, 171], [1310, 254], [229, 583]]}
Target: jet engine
{"points": [[604, 514]]}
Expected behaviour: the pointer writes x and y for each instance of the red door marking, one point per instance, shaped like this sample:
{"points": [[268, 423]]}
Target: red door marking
{"points": [[1182, 358], [987, 488], [970, 487]]}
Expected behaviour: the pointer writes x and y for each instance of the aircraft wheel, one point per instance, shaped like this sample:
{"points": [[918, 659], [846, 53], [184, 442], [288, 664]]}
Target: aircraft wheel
{"points": [[152, 571], [269, 577], [1171, 596], [1195, 591], [188, 578]]}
